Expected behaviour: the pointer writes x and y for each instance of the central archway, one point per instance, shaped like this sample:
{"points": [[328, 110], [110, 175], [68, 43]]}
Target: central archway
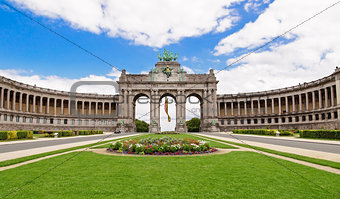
{"points": [[165, 124]]}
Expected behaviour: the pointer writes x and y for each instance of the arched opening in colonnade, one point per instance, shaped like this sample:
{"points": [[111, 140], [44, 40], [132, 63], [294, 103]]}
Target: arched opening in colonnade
{"points": [[141, 110], [194, 107], [167, 120]]}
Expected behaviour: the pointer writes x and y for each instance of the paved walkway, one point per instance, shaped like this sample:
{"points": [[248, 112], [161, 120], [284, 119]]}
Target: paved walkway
{"points": [[16, 150], [310, 149]]}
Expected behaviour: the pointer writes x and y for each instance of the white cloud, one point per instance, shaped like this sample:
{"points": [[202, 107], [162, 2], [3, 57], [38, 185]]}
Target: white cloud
{"points": [[253, 5], [144, 72], [152, 23], [58, 83], [115, 73], [188, 70], [194, 59], [185, 58], [309, 54]]}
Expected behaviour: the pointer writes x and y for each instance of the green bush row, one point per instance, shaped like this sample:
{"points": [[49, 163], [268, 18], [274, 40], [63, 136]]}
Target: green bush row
{"points": [[327, 134], [11, 135], [89, 132], [262, 131]]}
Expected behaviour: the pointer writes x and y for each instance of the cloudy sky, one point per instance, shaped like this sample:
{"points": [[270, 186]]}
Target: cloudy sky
{"points": [[206, 34]]}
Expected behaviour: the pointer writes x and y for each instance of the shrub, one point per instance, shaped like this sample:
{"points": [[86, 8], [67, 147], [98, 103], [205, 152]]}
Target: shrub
{"points": [[142, 126], [67, 133], [327, 134], [193, 125], [262, 131], [12, 135], [22, 134], [3, 135]]}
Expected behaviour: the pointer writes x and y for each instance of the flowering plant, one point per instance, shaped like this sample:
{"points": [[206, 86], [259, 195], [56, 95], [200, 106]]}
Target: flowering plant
{"points": [[161, 146]]}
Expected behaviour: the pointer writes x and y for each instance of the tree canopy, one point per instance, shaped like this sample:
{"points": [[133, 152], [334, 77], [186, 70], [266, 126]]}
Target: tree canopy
{"points": [[142, 126], [193, 125]]}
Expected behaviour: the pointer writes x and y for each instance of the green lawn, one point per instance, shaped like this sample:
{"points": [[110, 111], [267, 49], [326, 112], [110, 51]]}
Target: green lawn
{"points": [[232, 175], [182, 136], [323, 162]]}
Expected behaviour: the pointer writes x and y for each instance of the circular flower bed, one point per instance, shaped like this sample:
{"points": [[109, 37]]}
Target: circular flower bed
{"points": [[162, 146]]}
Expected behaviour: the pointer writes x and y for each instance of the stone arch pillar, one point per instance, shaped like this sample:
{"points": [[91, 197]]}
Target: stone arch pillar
{"points": [[154, 111], [180, 112]]}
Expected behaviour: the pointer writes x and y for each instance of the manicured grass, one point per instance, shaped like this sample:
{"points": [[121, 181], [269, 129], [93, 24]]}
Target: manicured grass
{"points": [[232, 175], [32, 157], [328, 163], [182, 136]]}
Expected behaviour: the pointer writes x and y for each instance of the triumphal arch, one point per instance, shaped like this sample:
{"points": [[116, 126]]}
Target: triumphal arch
{"points": [[168, 79]]}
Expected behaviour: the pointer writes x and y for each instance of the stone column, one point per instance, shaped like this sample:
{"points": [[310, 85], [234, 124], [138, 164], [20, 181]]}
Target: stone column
{"points": [[62, 106], [14, 99], [265, 106], [225, 108], [69, 107], [326, 98], [48, 106], [218, 109], [34, 99], [20, 101], [27, 102], [273, 106], [252, 106], [245, 108], [232, 108], [287, 104], [55, 106], [96, 111], [76, 107], [238, 108], [320, 99], [332, 96], [82, 107], [300, 102], [41, 104], [259, 106], [210, 112], [2, 98], [110, 108], [103, 108], [90, 111], [214, 98], [205, 106], [313, 99], [8, 97], [279, 105], [307, 102], [293, 102]]}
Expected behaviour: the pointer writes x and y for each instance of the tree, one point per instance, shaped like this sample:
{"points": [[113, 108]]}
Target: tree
{"points": [[193, 125], [142, 126]]}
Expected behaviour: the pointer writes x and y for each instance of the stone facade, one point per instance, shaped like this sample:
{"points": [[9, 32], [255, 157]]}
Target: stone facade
{"points": [[312, 105], [309, 105]]}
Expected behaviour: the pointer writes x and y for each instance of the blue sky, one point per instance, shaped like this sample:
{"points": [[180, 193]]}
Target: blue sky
{"points": [[27, 46], [206, 34]]}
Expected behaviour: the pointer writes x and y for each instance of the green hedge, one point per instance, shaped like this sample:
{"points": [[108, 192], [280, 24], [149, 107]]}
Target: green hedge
{"points": [[89, 132], [262, 131], [12, 135], [327, 134], [64, 133]]}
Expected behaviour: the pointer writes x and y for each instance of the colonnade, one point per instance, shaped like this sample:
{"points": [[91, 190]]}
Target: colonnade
{"points": [[278, 104], [13, 100]]}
